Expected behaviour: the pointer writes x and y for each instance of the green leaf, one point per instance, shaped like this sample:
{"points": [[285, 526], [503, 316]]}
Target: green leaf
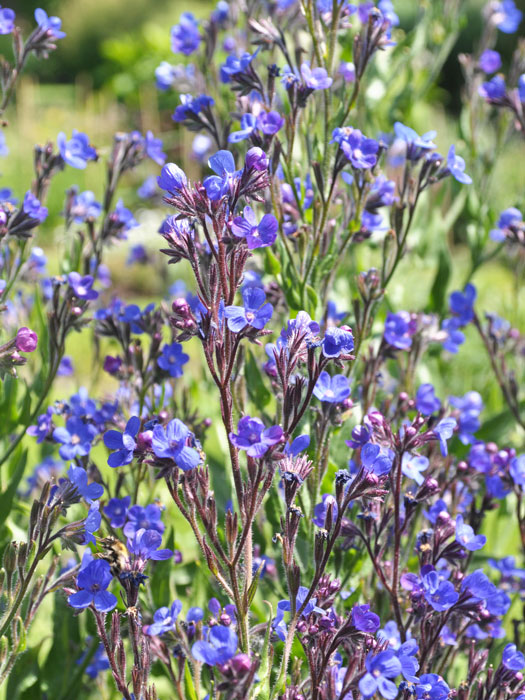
{"points": [[257, 389], [272, 266], [188, 683], [312, 300], [15, 477], [439, 286]]}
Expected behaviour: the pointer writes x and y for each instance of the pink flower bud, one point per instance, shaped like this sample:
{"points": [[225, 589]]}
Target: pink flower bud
{"points": [[26, 340]]}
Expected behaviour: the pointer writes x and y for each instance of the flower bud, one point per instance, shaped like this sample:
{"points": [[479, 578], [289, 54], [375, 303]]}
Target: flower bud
{"points": [[26, 340]]}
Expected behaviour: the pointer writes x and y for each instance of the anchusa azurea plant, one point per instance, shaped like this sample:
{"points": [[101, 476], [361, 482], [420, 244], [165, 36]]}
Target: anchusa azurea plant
{"points": [[283, 482]]}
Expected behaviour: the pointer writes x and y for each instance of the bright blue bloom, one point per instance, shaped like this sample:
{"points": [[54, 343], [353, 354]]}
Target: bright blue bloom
{"points": [[413, 465], [148, 188], [508, 220], [65, 368], [220, 647], [478, 585], [360, 151], [455, 338], [171, 178], [123, 217], [440, 594], [185, 36], [298, 445], [153, 148], [123, 442], [517, 470], [77, 151], [248, 126], [431, 687], [426, 400], [255, 312], [116, 510], [164, 619], [407, 658], [387, 10], [337, 341], [270, 122], [99, 662], [138, 254], [279, 625], [444, 431], [172, 359], [51, 25], [254, 438], [82, 286], [33, 208], [145, 545], [466, 537], [301, 324], [93, 581], [81, 405], [332, 389], [456, 167], [195, 614], [256, 235], [512, 658], [489, 61], [507, 567], [494, 90], [521, 88], [75, 438], [165, 75], [92, 522], [364, 619], [398, 330], [4, 150], [219, 185], [416, 146], [376, 459], [380, 669], [462, 304], [506, 16], [390, 633], [360, 436], [470, 406], [44, 425], [321, 510], [79, 478], [235, 65], [171, 443], [315, 78], [347, 70], [191, 106], [7, 20], [148, 518]]}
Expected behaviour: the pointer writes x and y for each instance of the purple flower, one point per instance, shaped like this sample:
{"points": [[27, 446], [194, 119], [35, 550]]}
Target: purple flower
{"points": [[172, 359], [270, 122], [398, 330], [466, 537], [255, 312], [7, 20], [494, 90], [364, 619], [512, 658], [171, 178], [254, 438], [33, 208], [517, 470], [426, 400], [462, 304], [360, 151], [256, 159], [123, 218], [85, 207], [145, 545], [444, 431], [191, 106], [75, 438], [123, 442], [116, 510], [413, 465], [82, 286], [171, 443], [148, 518], [338, 341], [26, 340], [185, 36], [509, 219], [360, 436], [220, 647], [470, 406], [219, 185], [489, 61], [321, 510], [316, 78], [164, 619], [347, 70], [283, 606], [456, 167], [65, 368], [506, 16], [93, 581], [332, 389], [148, 188], [77, 151], [256, 235], [439, 593], [51, 25], [380, 669], [44, 426]]}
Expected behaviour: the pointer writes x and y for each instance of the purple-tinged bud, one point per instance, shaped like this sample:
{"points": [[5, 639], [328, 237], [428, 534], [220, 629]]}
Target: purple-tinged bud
{"points": [[26, 340], [3, 217], [347, 404], [112, 364], [411, 432], [241, 663], [302, 626], [443, 518], [371, 479], [144, 440], [491, 447], [225, 619], [181, 306], [403, 396], [177, 555], [76, 311], [256, 159], [313, 630], [171, 178], [207, 422], [411, 403], [462, 466], [163, 416]]}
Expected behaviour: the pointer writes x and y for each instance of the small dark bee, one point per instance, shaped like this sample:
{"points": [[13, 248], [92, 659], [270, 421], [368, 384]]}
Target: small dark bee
{"points": [[115, 553]]}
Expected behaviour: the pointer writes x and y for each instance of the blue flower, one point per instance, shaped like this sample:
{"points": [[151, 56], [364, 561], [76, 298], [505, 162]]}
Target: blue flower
{"points": [[338, 341], [65, 368], [116, 510], [185, 36], [456, 167], [321, 510], [444, 431], [432, 687], [439, 593], [256, 235], [454, 337], [220, 647], [248, 126], [315, 78], [79, 478], [409, 664], [254, 438], [145, 545], [92, 522], [7, 20], [33, 208], [517, 470], [279, 625], [509, 219], [398, 330], [82, 286], [77, 151], [99, 662], [364, 619], [255, 312], [172, 359], [171, 178], [506, 16], [426, 400], [44, 425], [489, 61], [462, 304], [235, 65], [380, 669], [512, 658], [93, 581], [416, 145], [376, 459], [191, 106], [360, 151], [123, 218], [171, 443], [164, 619], [494, 90], [470, 406], [123, 442], [413, 465], [75, 438], [148, 189], [332, 389], [50, 25], [153, 148], [148, 518], [466, 537], [219, 185]]}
